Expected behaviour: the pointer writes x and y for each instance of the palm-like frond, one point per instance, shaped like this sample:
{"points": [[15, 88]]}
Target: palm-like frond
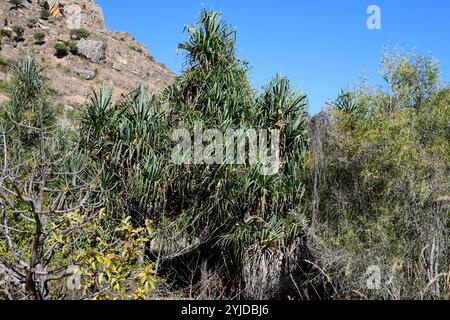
{"points": [[209, 42], [345, 102]]}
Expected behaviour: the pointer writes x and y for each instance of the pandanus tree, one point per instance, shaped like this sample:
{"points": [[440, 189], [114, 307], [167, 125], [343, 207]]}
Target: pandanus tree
{"points": [[214, 84], [232, 215], [229, 218], [123, 138], [345, 102]]}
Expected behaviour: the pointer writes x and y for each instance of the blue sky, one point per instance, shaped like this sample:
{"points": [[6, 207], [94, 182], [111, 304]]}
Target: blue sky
{"points": [[321, 45]]}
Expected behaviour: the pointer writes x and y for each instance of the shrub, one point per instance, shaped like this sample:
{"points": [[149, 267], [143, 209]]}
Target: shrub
{"points": [[4, 64], [4, 85], [16, 3], [6, 33], [39, 37], [19, 31], [104, 261], [61, 49], [379, 165], [72, 45], [79, 34], [45, 14]]}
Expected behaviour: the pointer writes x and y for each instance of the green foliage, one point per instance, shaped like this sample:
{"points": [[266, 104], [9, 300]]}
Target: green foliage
{"points": [[6, 33], [56, 223], [121, 137], [4, 64], [72, 45], [4, 86], [380, 175], [215, 85], [215, 91], [45, 14], [345, 102], [363, 183], [16, 3], [79, 34], [19, 31], [130, 142], [62, 50], [39, 37], [411, 78], [107, 262], [28, 95], [23, 123], [210, 42]]}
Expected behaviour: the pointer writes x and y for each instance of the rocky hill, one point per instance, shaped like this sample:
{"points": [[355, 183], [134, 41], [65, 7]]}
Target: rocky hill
{"points": [[69, 38]]}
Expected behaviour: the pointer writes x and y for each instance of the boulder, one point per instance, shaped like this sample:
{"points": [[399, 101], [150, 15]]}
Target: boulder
{"points": [[85, 74], [74, 16], [117, 66], [26, 4], [92, 50], [83, 14]]}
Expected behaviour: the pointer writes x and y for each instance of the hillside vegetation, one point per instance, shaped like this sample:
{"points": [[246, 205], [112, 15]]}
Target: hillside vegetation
{"points": [[99, 210], [79, 53]]}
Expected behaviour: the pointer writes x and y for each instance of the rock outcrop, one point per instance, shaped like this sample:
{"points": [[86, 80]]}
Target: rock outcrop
{"points": [[92, 50], [85, 74], [91, 56]]}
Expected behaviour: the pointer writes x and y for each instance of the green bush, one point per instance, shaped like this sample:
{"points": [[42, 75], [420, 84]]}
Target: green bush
{"points": [[39, 37], [380, 165], [4, 86], [6, 33], [111, 260], [16, 3], [72, 45], [79, 34], [4, 64], [19, 31], [45, 14], [62, 49]]}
